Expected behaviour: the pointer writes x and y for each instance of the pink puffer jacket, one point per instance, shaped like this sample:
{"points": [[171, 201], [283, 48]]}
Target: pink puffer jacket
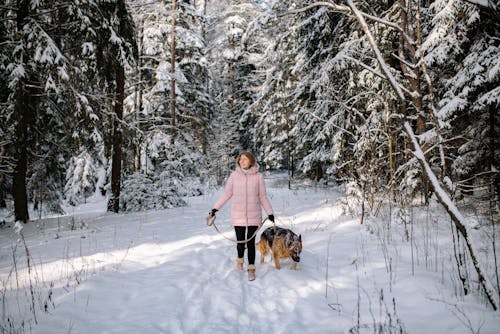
{"points": [[248, 193]]}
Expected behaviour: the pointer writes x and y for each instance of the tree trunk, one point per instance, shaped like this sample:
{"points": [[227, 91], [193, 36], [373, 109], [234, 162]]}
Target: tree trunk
{"points": [[443, 198], [3, 204], [493, 159], [138, 105], [455, 216], [459, 253], [114, 201], [413, 76], [172, 64], [19, 191], [22, 114]]}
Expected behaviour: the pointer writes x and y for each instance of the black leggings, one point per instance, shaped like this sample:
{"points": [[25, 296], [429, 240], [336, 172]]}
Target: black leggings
{"points": [[240, 235]]}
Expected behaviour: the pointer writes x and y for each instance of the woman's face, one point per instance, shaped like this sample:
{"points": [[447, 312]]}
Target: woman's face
{"points": [[244, 162]]}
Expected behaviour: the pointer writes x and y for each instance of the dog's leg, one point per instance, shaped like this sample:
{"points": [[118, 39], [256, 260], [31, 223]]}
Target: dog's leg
{"points": [[276, 260], [259, 247], [262, 249], [294, 265]]}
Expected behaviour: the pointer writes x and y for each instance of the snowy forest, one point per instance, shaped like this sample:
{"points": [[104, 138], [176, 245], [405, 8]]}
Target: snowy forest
{"points": [[154, 94], [150, 101]]}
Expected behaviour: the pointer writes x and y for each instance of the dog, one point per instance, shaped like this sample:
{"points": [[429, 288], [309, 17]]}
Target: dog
{"points": [[283, 243]]}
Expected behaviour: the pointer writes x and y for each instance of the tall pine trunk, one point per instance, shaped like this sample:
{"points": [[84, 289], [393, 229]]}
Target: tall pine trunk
{"points": [[409, 60], [3, 203], [138, 104], [172, 63], [493, 147], [23, 119], [116, 164], [19, 191]]}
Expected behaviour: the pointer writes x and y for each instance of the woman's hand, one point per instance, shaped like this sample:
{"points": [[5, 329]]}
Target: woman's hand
{"points": [[212, 212]]}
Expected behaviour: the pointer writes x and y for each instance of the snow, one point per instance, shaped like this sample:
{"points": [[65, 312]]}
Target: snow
{"points": [[166, 271], [114, 39], [376, 50], [485, 3], [452, 208]]}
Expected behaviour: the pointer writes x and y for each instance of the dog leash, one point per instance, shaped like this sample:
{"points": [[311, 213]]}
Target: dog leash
{"points": [[210, 220]]}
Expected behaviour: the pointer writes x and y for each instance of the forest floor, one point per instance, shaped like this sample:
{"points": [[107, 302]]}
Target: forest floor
{"points": [[168, 272]]}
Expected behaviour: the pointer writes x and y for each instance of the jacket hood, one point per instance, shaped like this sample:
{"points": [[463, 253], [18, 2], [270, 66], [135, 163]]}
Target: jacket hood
{"points": [[253, 170]]}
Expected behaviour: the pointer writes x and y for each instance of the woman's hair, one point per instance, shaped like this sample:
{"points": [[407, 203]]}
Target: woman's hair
{"points": [[250, 157]]}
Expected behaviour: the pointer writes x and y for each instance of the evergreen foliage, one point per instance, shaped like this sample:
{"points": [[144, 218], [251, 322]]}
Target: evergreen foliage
{"points": [[232, 80], [302, 89], [140, 192], [464, 51], [46, 106], [81, 179]]}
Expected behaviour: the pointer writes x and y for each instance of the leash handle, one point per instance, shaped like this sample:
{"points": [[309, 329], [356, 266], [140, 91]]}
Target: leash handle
{"points": [[210, 220]]}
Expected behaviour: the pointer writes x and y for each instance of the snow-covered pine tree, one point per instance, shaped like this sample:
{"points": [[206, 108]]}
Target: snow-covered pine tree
{"points": [[318, 93], [170, 149], [325, 124], [272, 111], [232, 74], [116, 53], [192, 72], [463, 51], [46, 105], [81, 178]]}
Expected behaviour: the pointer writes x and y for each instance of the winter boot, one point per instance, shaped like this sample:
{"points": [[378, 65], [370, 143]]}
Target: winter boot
{"points": [[251, 272], [239, 264]]}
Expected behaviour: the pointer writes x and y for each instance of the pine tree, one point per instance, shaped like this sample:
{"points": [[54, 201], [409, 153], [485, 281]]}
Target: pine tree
{"points": [[173, 136], [49, 68], [81, 178], [273, 80], [42, 96], [231, 74], [463, 52], [116, 53]]}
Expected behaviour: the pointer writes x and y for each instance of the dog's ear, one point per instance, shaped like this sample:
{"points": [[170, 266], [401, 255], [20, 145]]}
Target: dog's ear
{"points": [[300, 237]]}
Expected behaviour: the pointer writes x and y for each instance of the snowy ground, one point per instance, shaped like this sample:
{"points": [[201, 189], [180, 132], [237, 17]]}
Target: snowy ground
{"points": [[167, 272]]}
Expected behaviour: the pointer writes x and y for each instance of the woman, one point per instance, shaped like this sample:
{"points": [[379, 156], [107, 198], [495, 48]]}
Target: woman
{"points": [[246, 186]]}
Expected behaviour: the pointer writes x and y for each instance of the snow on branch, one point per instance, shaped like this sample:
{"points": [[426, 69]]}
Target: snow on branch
{"points": [[459, 220], [378, 54], [484, 3], [442, 196], [345, 9]]}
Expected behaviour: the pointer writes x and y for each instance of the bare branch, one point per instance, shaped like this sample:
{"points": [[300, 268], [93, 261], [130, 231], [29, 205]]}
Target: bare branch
{"points": [[375, 72], [455, 215], [412, 66], [332, 124], [345, 9], [334, 7], [371, 40], [366, 67]]}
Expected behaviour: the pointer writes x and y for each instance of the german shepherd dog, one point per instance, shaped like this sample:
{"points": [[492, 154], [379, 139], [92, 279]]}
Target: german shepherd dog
{"points": [[283, 243]]}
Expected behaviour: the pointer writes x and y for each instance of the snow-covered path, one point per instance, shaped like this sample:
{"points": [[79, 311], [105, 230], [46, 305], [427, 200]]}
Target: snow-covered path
{"points": [[178, 277], [167, 272]]}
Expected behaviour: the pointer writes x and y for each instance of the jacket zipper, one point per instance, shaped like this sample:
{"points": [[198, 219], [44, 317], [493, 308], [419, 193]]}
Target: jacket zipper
{"points": [[246, 199]]}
